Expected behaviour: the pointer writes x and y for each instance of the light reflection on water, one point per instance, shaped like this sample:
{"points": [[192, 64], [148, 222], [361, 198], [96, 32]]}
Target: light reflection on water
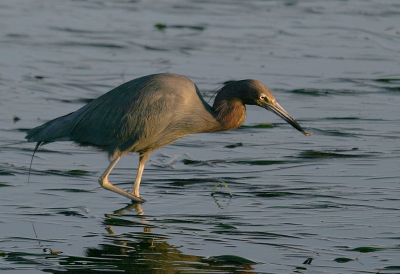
{"points": [[331, 197]]}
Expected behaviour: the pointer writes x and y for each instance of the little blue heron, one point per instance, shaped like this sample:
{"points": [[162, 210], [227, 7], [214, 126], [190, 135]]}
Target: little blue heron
{"points": [[150, 112]]}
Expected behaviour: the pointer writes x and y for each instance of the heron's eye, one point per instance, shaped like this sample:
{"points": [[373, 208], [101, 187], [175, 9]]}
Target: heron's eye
{"points": [[263, 98]]}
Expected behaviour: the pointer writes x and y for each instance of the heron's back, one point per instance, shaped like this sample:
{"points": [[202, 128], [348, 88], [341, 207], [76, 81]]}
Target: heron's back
{"points": [[140, 115]]}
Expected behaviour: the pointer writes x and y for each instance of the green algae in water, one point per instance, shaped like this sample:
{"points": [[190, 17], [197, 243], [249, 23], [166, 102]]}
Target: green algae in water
{"points": [[73, 190], [6, 173], [77, 172], [240, 162], [275, 194], [16, 119], [264, 125], [161, 26], [367, 249], [321, 154], [392, 267], [234, 145], [191, 162], [233, 259], [71, 213], [198, 162], [387, 80], [343, 260]]}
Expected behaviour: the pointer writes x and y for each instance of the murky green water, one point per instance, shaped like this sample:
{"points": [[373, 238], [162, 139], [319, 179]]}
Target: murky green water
{"points": [[328, 203]]}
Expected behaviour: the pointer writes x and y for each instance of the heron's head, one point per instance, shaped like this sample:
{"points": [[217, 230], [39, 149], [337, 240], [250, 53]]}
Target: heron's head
{"points": [[253, 92]]}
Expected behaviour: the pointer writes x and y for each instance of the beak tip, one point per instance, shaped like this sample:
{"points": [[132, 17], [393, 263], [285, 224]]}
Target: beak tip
{"points": [[278, 110]]}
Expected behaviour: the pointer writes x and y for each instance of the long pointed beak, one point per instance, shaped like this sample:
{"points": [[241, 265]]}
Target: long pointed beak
{"points": [[278, 110]]}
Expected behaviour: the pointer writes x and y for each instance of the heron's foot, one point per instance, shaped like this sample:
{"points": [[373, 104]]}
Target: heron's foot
{"points": [[103, 181], [136, 197], [138, 200]]}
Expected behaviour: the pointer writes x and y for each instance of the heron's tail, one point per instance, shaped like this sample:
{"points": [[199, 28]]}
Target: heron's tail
{"points": [[55, 130], [58, 129]]}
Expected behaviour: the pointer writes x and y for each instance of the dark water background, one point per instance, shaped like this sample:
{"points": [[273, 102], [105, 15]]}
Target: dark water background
{"points": [[328, 203]]}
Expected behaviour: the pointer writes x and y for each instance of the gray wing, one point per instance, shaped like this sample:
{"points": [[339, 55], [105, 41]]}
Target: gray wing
{"points": [[138, 110]]}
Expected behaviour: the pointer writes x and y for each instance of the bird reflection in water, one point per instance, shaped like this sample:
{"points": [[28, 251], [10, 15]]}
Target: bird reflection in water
{"points": [[144, 249]]}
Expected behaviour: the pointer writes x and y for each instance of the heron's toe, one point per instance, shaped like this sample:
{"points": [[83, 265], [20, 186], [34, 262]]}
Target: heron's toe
{"points": [[136, 199]]}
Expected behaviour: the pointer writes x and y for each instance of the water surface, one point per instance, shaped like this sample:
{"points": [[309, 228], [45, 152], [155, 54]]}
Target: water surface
{"points": [[328, 203]]}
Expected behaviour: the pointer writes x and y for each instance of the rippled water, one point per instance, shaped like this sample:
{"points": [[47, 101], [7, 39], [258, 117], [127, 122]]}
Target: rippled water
{"points": [[328, 203]]}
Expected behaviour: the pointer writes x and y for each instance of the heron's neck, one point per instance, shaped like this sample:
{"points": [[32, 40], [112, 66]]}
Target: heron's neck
{"points": [[230, 111]]}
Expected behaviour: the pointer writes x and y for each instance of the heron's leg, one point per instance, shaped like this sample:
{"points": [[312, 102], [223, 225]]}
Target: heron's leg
{"points": [[103, 181], [142, 161]]}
